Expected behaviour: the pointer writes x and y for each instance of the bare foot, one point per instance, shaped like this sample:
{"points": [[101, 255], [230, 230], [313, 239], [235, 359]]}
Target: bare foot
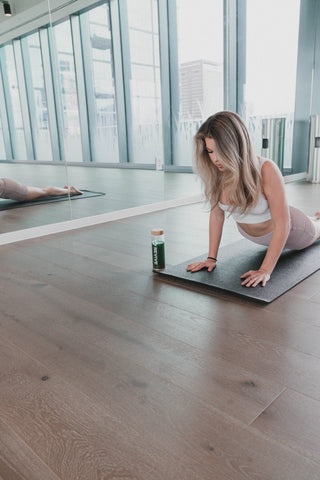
{"points": [[72, 190], [316, 216]]}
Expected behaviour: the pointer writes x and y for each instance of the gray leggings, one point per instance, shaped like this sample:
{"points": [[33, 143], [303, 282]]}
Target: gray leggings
{"points": [[12, 189], [303, 232]]}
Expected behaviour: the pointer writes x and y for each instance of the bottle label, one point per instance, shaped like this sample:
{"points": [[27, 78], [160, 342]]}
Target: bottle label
{"points": [[158, 256]]}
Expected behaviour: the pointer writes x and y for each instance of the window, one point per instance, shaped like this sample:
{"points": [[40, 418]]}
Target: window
{"points": [[11, 87], [2, 147], [143, 89], [100, 84], [63, 62], [37, 96], [197, 36], [271, 64]]}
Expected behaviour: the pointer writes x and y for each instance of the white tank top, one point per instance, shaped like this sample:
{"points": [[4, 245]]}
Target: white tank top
{"points": [[259, 213]]}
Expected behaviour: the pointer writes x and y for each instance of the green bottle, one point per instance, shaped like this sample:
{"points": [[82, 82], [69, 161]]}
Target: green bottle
{"points": [[158, 255]]}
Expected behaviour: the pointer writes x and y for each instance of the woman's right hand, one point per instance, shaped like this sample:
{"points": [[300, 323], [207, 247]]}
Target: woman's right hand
{"points": [[195, 267]]}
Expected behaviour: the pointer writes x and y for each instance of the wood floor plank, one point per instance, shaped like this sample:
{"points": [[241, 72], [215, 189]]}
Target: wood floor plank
{"points": [[108, 372], [232, 346], [263, 325], [294, 420], [281, 365], [284, 304], [195, 302], [200, 436], [18, 461], [173, 359], [309, 289], [70, 435], [291, 306]]}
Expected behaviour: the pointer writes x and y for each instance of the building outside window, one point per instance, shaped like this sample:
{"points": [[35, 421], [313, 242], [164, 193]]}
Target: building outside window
{"points": [[198, 59]]}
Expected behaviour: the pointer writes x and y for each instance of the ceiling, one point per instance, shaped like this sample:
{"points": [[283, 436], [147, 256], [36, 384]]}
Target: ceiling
{"points": [[18, 6]]}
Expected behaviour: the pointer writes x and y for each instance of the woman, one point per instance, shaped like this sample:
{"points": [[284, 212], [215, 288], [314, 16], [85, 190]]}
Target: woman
{"points": [[251, 190], [14, 190]]}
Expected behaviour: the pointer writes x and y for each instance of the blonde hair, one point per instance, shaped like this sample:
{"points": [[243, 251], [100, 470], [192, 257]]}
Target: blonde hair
{"points": [[241, 176]]}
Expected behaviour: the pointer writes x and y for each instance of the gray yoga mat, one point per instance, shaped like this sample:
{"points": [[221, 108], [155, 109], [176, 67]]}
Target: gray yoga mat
{"points": [[8, 204], [234, 260]]}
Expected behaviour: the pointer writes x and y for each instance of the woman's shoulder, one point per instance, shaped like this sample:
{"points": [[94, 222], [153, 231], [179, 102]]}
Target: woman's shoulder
{"points": [[267, 164], [265, 161], [270, 173]]}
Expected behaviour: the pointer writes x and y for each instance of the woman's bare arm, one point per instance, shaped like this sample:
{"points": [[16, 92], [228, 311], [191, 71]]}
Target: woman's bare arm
{"points": [[274, 191], [216, 222]]}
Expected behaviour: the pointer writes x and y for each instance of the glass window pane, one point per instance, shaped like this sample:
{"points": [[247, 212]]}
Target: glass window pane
{"points": [[141, 47], [199, 93], [271, 71], [13, 102], [2, 147], [98, 63], [67, 92], [141, 14], [145, 88], [37, 97]]}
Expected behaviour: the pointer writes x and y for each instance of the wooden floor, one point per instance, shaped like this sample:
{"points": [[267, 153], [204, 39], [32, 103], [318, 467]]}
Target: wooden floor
{"points": [[109, 372]]}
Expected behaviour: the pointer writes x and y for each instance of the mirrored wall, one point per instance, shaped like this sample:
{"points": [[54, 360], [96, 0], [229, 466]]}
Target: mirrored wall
{"points": [[108, 95], [29, 144]]}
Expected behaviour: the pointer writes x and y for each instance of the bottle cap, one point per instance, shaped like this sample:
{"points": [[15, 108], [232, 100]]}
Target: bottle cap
{"points": [[157, 231]]}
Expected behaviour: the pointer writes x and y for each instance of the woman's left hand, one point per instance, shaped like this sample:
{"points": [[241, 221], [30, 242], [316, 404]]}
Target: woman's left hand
{"points": [[254, 277]]}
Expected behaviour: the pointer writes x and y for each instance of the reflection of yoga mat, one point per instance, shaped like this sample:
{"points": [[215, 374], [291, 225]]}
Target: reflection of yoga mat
{"points": [[7, 204], [238, 258]]}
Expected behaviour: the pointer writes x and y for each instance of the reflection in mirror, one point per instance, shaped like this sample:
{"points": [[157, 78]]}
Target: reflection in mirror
{"points": [[12, 90], [37, 99], [26, 110], [114, 55], [96, 40], [69, 121], [143, 88]]}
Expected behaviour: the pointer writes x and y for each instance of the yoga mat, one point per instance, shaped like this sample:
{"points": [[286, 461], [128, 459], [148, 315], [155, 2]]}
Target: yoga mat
{"points": [[236, 259], [8, 204]]}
